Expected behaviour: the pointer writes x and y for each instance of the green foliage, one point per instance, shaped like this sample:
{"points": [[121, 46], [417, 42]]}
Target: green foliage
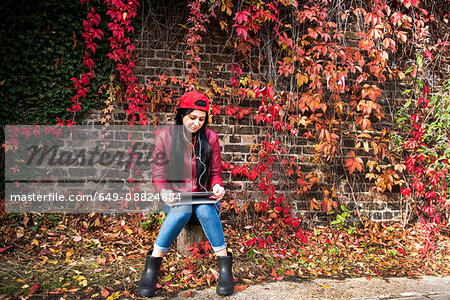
{"points": [[437, 118], [42, 48], [53, 219], [342, 220], [153, 219], [253, 255], [435, 122], [437, 129]]}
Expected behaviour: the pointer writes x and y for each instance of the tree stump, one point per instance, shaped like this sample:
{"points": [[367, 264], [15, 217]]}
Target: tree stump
{"points": [[190, 234]]}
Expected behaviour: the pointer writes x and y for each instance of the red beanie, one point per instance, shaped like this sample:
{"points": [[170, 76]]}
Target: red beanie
{"points": [[188, 101]]}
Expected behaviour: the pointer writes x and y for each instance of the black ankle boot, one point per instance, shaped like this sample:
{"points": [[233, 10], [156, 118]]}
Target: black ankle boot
{"points": [[225, 286], [147, 284]]}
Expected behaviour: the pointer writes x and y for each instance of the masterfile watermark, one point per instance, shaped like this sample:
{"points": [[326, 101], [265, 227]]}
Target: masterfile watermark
{"points": [[83, 169], [55, 156]]}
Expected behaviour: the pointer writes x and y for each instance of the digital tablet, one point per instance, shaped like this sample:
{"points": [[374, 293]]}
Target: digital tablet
{"points": [[192, 198], [195, 195]]}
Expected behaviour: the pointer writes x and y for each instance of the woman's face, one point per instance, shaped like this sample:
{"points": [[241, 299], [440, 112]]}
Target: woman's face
{"points": [[195, 120]]}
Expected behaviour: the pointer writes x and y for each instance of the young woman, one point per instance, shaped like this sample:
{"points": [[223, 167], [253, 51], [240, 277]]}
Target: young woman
{"points": [[187, 158]]}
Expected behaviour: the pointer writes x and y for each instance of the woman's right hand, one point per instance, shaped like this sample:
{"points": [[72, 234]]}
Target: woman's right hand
{"points": [[167, 196], [218, 191]]}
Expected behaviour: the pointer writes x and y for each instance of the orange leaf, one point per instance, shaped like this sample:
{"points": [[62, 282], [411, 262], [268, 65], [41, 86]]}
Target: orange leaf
{"points": [[366, 45], [371, 176], [401, 35], [69, 253], [239, 288], [364, 123], [274, 273], [376, 33], [289, 273], [353, 163], [372, 91], [104, 292], [313, 204]]}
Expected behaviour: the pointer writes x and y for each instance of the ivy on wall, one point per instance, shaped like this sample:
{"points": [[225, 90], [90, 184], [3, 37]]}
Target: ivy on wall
{"points": [[41, 49]]}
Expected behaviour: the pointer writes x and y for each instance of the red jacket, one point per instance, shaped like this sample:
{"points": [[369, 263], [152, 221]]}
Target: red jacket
{"points": [[160, 171]]}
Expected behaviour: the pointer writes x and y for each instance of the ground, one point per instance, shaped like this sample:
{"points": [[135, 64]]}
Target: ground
{"points": [[99, 256], [427, 287]]}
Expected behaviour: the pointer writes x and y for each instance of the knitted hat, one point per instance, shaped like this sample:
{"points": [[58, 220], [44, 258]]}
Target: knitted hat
{"points": [[188, 101]]}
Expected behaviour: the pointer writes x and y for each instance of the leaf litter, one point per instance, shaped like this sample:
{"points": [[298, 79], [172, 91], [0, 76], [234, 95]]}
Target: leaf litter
{"points": [[98, 256]]}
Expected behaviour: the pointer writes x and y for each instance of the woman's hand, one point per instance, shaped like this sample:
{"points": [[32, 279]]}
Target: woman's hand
{"points": [[218, 191], [167, 196]]}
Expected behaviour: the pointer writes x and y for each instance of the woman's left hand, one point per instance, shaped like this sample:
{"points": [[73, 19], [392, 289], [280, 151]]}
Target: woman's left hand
{"points": [[218, 191]]}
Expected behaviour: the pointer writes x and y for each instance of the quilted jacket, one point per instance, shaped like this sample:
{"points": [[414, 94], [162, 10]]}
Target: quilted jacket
{"points": [[161, 160]]}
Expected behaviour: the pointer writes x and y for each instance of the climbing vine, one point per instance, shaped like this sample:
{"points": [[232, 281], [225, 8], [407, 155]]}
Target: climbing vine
{"points": [[122, 14], [91, 33], [425, 143], [319, 90], [42, 48]]}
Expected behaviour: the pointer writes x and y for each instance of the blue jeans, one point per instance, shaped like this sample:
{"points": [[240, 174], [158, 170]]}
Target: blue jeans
{"points": [[178, 216]]}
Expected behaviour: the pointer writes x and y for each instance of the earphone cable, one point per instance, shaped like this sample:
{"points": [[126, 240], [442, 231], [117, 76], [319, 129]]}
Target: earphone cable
{"points": [[198, 157]]}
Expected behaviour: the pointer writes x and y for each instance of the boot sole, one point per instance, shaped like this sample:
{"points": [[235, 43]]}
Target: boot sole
{"points": [[144, 293], [224, 292]]}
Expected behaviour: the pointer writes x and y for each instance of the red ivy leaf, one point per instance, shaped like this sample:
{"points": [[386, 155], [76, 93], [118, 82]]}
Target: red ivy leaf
{"points": [[327, 204], [241, 16], [312, 33], [216, 109], [363, 122], [372, 91], [428, 54], [396, 17], [242, 31]]}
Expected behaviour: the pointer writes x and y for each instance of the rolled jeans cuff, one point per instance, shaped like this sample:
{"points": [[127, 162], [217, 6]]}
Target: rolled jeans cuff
{"points": [[160, 249], [164, 250], [216, 249]]}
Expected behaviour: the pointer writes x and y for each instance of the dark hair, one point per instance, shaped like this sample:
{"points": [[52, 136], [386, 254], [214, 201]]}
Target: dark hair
{"points": [[179, 145]]}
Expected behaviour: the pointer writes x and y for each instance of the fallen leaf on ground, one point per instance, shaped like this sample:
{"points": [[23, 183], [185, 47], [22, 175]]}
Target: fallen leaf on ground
{"points": [[239, 288], [187, 294], [104, 292], [289, 273], [69, 252], [215, 273]]}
